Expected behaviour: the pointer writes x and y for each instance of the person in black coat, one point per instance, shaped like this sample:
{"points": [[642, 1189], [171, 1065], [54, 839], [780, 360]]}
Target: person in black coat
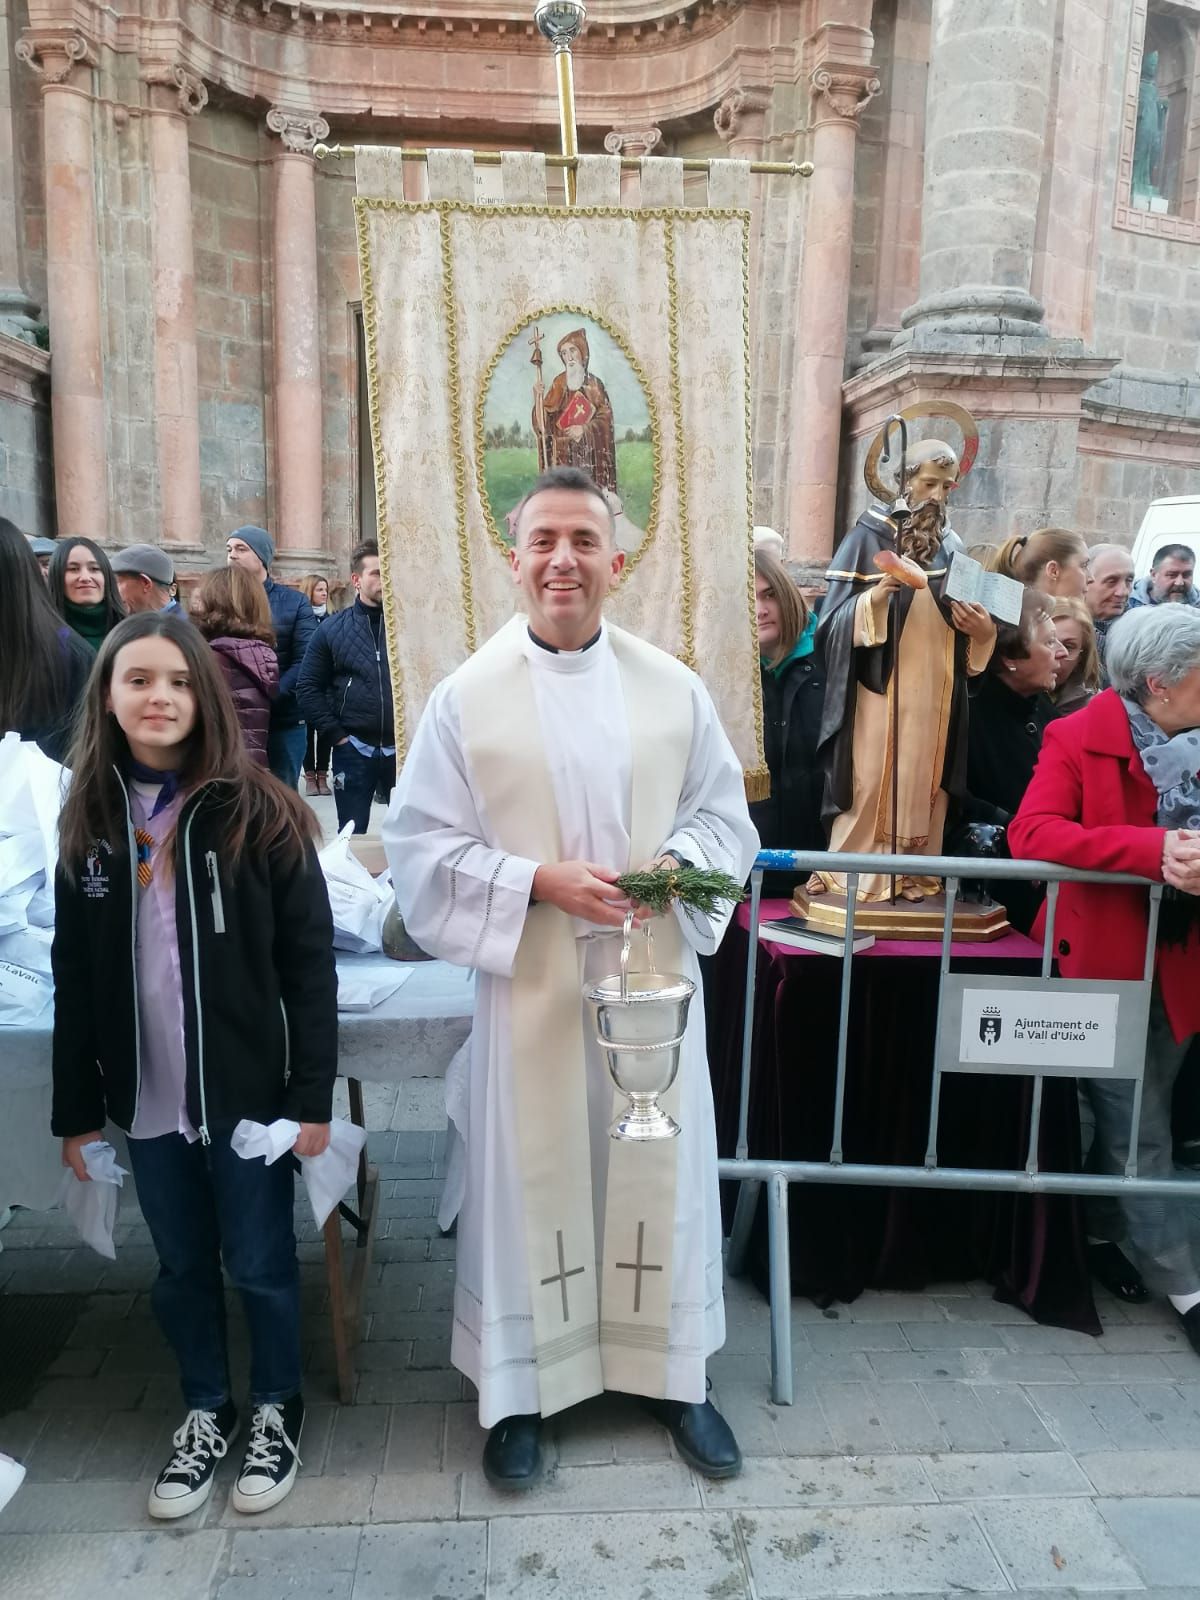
{"points": [[44, 664], [194, 987], [292, 618], [345, 693], [793, 689], [1010, 706]]}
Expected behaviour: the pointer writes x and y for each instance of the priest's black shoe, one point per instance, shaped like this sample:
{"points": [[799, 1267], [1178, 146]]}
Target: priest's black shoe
{"points": [[702, 1436], [512, 1456], [1113, 1268], [1191, 1327]]}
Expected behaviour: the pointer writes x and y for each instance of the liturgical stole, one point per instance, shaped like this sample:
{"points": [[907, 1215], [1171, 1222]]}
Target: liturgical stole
{"points": [[589, 1335]]}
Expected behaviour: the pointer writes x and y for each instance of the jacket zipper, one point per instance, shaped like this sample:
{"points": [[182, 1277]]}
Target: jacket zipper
{"points": [[214, 883], [379, 682], [287, 1043], [133, 915], [205, 1137], [345, 697]]}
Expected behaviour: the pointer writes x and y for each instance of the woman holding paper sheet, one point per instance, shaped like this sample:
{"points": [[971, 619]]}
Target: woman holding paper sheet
{"points": [[1116, 790], [195, 987]]}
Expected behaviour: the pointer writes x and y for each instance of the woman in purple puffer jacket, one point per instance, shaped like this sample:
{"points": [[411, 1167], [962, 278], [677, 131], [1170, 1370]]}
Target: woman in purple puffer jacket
{"points": [[231, 611]]}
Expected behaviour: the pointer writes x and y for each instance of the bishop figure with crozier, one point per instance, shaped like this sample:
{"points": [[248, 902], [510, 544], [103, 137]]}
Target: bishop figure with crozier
{"points": [[563, 753], [898, 654]]}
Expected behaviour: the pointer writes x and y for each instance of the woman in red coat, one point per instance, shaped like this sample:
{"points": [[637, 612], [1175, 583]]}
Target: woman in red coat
{"points": [[1116, 790]]}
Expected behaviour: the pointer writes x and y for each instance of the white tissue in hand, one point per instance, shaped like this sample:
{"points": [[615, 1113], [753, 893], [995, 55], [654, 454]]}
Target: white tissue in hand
{"points": [[92, 1207], [326, 1177]]}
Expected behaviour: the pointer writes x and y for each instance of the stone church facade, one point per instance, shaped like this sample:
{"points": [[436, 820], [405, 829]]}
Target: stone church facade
{"points": [[180, 343]]}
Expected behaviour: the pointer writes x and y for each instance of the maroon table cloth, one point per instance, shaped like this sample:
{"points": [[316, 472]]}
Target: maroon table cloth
{"points": [[845, 1239]]}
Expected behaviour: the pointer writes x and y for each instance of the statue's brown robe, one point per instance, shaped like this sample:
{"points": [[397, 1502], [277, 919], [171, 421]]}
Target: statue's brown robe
{"points": [[856, 745]]}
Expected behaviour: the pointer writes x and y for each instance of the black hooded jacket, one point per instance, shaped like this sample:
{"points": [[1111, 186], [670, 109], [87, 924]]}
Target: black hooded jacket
{"points": [[259, 982]]}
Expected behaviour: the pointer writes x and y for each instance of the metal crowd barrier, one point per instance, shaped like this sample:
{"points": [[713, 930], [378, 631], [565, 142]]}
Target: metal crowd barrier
{"points": [[1131, 1014]]}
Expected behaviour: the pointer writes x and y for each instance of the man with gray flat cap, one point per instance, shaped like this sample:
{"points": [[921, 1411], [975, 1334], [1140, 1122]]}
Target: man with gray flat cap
{"points": [[145, 576]]}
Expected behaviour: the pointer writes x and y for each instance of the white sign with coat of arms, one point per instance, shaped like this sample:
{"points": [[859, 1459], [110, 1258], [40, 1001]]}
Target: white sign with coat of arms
{"points": [[1007, 1025]]}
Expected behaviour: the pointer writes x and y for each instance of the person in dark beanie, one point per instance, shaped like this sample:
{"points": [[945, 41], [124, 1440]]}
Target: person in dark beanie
{"points": [[253, 549], [345, 692]]}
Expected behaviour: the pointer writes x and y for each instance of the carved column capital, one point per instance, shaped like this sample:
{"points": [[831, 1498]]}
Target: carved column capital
{"points": [[635, 143], [188, 91], [738, 109], [300, 131], [55, 56], [842, 92]]}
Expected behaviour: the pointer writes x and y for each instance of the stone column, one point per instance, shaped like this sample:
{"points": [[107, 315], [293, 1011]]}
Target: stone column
{"points": [[18, 313], [175, 95], [991, 63], [296, 333], [72, 281], [639, 143], [842, 83], [741, 121]]}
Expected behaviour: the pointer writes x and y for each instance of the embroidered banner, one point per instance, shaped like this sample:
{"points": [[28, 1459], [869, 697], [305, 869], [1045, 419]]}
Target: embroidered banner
{"points": [[505, 338]]}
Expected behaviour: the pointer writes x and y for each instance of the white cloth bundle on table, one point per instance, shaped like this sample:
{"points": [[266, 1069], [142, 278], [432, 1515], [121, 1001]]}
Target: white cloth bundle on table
{"points": [[31, 791], [359, 904]]}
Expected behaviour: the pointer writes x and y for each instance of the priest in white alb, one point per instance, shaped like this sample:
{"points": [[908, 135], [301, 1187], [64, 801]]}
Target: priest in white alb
{"points": [[563, 753]]}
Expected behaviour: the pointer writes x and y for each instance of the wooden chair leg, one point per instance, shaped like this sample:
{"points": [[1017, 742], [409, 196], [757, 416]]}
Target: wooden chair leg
{"points": [[335, 1272]]}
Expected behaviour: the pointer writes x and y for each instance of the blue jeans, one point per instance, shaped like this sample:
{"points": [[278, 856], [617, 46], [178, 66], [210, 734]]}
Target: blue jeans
{"points": [[203, 1206], [285, 752], [357, 779]]}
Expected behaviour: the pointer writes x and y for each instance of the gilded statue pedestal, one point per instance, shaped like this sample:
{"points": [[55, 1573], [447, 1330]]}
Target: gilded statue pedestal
{"points": [[905, 919]]}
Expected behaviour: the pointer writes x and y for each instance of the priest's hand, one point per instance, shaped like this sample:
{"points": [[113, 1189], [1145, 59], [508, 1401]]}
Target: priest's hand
{"points": [[582, 889], [972, 620], [312, 1139]]}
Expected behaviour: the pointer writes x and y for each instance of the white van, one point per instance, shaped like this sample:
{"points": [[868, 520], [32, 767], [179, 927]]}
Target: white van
{"points": [[1172, 521]]}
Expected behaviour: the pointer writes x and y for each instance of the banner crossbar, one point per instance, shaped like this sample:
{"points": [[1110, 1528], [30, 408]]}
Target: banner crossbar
{"points": [[492, 158]]}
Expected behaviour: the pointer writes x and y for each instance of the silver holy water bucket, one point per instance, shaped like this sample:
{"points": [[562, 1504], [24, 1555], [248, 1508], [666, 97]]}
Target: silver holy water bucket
{"points": [[639, 1020]]}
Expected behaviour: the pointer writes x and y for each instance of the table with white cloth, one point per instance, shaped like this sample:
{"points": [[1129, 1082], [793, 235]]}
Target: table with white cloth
{"points": [[414, 1033]]}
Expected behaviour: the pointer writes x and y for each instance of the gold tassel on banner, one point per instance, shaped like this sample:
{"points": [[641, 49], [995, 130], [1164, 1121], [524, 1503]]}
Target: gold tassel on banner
{"points": [[758, 784]]}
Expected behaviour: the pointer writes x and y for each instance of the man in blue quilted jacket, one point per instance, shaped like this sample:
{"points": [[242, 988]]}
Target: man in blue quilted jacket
{"points": [[253, 549], [346, 693]]}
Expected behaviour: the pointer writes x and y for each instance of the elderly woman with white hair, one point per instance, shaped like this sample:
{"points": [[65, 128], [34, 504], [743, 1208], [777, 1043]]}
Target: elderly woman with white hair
{"points": [[1117, 789]]}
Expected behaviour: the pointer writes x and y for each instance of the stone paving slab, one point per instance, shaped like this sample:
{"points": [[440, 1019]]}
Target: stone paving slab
{"points": [[868, 1551], [672, 1557], [1161, 1536]]}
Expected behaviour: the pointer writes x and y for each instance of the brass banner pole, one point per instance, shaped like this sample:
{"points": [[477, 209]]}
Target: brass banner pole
{"points": [[561, 22]]}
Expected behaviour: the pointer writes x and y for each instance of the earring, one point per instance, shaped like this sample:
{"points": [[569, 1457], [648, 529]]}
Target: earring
{"points": [[1010, 666], [1166, 699]]}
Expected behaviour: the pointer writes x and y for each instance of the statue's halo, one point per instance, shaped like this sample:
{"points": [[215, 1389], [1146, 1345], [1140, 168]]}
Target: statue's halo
{"points": [[957, 414]]}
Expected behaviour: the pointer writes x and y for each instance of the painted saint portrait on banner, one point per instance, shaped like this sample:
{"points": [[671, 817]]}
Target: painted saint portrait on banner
{"points": [[564, 391]]}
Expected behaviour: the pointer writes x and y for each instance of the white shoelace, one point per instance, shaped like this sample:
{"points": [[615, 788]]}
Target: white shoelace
{"points": [[197, 1438], [266, 1431]]}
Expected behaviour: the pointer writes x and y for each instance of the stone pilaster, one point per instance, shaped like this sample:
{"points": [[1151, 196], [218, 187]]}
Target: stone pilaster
{"points": [[18, 313], [64, 61], [991, 64], [842, 82], [635, 143], [297, 330], [175, 95]]}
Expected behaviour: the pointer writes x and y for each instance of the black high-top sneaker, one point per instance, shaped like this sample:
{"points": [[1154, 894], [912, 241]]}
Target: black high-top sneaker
{"points": [[185, 1483], [272, 1456]]}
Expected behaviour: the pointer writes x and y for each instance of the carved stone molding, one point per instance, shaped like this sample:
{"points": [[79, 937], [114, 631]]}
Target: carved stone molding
{"points": [[299, 130], [737, 108], [190, 93], [635, 143], [54, 57], [845, 94]]}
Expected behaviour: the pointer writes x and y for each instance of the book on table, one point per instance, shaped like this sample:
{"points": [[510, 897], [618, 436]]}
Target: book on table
{"points": [[796, 932]]}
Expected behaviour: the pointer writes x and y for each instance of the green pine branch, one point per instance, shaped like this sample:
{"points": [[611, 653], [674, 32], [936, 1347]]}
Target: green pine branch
{"points": [[698, 887]]}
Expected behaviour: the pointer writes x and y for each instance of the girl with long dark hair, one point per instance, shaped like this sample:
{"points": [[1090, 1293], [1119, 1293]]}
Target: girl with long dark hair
{"points": [[44, 664], [84, 590], [195, 986]]}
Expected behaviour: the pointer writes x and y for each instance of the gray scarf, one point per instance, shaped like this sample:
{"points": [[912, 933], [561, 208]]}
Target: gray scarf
{"points": [[1172, 764]]}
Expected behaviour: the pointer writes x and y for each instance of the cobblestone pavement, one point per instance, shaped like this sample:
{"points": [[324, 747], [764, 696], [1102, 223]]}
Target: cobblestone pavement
{"points": [[940, 1444]]}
